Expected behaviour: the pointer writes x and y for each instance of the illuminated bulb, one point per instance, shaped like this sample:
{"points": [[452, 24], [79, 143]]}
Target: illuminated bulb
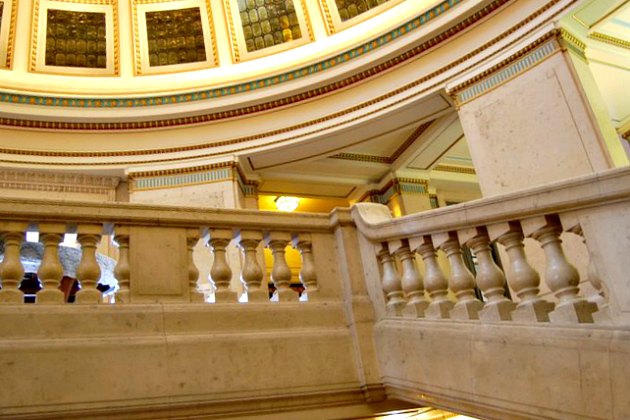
{"points": [[285, 203]]}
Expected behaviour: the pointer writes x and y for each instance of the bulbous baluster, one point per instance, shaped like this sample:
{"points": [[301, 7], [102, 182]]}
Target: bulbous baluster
{"points": [[122, 269], [491, 281], [280, 272], [461, 282], [192, 237], [308, 273], [563, 279], [391, 283], [50, 271], [523, 279], [11, 269], [221, 273], [434, 282], [411, 280], [251, 273], [88, 271]]}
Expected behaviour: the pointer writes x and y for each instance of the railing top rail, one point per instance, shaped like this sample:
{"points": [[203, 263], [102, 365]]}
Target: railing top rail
{"points": [[588, 191], [61, 211]]}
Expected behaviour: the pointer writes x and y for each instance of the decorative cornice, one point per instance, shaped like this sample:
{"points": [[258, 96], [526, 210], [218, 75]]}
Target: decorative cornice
{"points": [[57, 182], [455, 169], [611, 40], [11, 39], [196, 175], [359, 157], [572, 42], [507, 69], [395, 187], [381, 41]]}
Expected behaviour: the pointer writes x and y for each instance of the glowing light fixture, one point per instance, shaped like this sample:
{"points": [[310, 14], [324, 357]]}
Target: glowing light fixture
{"points": [[286, 203]]}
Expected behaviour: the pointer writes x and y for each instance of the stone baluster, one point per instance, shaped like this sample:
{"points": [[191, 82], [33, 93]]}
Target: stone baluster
{"points": [[251, 273], [461, 281], [434, 280], [196, 295], [122, 270], [220, 272], [280, 272], [391, 283], [411, 280], [88, 271], [308, 273], [571, 223], [11, 269], [521, 277], [490, 279], [50, 271], [562, 278]]}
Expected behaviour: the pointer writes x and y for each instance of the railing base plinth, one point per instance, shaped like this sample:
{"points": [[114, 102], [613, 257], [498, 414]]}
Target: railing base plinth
{"points": [[89, 297], [50, 297], [500, 311], [415, 309], [11, 297], [311, 296], [533, 311], [466, 310], [439, 310], [257, 295], [395, 308], [197, 297], [284, 295], [225, 296], [575, 312], [123, 296]]}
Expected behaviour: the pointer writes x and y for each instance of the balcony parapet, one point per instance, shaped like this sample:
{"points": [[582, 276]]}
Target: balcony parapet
{"points": [[594, 207]]}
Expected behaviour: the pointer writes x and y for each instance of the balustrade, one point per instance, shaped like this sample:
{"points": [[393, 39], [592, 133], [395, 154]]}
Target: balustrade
{"points": [[179, 282], [580, 204]]}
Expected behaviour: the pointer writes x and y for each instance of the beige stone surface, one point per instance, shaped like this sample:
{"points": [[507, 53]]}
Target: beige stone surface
{"points": [[158, 264], [524, 372], [156, 356], [551, 133]]}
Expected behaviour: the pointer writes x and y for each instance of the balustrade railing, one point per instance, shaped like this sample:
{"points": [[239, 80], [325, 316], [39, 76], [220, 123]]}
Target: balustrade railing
{"points": [[155, 251], [593, 207]]}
